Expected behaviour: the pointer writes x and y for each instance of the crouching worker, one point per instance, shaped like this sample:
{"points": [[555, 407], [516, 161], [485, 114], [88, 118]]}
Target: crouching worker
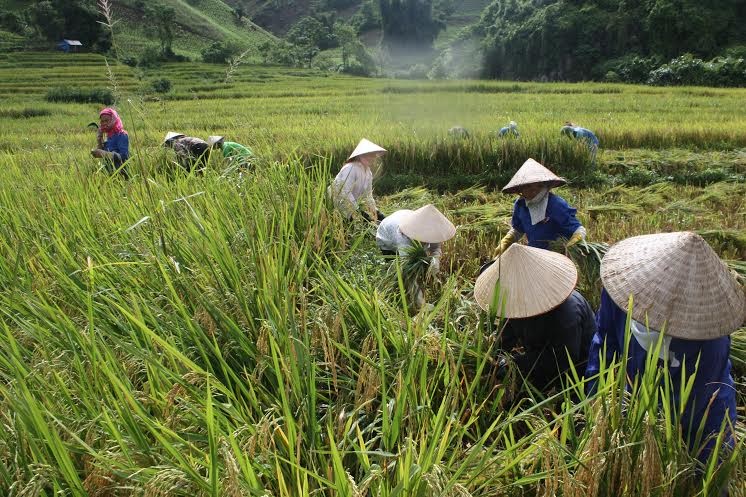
{"points": [[115, 150], [353, 185], [510, 130], [539, 214], [190, 151], [545, 316], [678, 285], [426, 225], [582, 134], [237, 154]]}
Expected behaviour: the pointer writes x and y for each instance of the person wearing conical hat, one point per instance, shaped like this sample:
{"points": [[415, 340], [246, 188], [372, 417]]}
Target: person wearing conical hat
{"points": [[583, 134], [353, 185], [190, 151], [232, 151], [534, 290], [540, 214], [511, 129], [679, 285], [427, 225]]}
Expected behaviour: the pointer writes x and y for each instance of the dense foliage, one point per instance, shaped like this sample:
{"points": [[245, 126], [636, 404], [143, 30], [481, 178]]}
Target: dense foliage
{"points": [[573, 39]]}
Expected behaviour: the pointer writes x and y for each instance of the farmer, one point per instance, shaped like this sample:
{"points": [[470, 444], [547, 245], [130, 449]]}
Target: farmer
{"points": [[190, 151], [539, 214], [426, 225], [677, 286], [584, 134], [551, 321], [459, 132], [353, 184], [232, 151], [511, 129], [115, 150]]}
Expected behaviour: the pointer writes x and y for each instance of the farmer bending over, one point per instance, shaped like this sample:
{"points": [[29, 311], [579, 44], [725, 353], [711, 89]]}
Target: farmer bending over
{"points": [[511, 129], [539, 214], [584, 134], [428, 226], [190, 151], [353, 185], [115, 150], [551, 321], [679, 285], [232, 151]]}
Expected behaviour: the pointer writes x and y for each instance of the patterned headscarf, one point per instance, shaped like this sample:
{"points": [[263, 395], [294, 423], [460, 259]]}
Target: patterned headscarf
{"points": [[116, 126]]}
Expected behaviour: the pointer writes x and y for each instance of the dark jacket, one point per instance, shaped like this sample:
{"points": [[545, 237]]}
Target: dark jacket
{"points": [[190, 151], [549, 338]]}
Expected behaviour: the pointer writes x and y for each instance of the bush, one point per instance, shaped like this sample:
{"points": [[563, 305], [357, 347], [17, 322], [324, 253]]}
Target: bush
{"points": [[24, 113], [689, 70], [217, 53], [162, 85], [95, 95], [150, 57], [628, 69]]}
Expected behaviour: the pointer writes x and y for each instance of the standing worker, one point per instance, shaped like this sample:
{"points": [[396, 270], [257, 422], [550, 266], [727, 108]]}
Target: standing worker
{"points": [[232, 151], [584, 134], [190, 151], [678, 284], [353, 184], [426, 225], [551, 321], [115, 150], [540, 214]]}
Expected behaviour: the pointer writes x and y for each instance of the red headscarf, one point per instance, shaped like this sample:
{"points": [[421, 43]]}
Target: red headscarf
{"points": [[116, 126]]}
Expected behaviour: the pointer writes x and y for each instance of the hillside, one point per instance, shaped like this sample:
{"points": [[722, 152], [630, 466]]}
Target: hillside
{"points": [[196, 25]]}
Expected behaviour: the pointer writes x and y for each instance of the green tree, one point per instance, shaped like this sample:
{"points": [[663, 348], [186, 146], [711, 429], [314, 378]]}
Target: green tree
{"points": [[161, 21]]}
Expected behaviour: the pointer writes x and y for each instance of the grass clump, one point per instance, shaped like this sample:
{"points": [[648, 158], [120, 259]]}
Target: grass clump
{"points": [[80, 95]]}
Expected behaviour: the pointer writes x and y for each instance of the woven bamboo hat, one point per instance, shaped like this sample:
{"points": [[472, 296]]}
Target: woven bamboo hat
{"points": [[532, 281], [171, 135], [365, 147], [675, 279], [532, 172], [214, 139], [428, 225]]}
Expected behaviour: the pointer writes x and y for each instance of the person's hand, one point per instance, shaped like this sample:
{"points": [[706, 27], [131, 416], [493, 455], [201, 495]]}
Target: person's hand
{"points": [[97, 153], [575, 238], [501, 367]]}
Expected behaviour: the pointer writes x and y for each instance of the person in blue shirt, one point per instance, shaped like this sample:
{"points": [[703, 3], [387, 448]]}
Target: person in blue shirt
{"points": [[584, 134], [540, 214], [115, 150], [677, 284], [510, 130]]}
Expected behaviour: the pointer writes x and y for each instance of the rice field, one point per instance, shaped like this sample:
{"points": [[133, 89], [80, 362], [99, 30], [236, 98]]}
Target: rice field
{"points": [[228, 334]]}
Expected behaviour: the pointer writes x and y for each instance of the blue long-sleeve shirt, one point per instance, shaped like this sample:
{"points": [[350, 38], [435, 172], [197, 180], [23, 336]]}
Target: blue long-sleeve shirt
{"points": [[119, 143], [713, 381], [560, 221], [508, 130]]}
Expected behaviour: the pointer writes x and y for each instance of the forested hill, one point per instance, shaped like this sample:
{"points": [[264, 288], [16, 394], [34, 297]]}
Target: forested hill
{"points": [[638, 41]]}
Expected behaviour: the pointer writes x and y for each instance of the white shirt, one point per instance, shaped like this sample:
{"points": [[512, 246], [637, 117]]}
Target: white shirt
{"points": [[390, 237], [353, 185], [648, 339]]}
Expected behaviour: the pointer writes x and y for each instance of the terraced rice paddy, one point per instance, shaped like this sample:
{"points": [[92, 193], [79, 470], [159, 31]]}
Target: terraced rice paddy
{"points": [[228, 334]]}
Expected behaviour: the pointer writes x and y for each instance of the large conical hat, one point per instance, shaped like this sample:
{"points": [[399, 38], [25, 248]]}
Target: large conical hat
{"points": [[532, 172], [532, 281], [365, 147], [675, 279], [171, 135], [428, 225]]}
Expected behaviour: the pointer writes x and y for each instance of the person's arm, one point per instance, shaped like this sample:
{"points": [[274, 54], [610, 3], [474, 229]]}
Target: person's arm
{"points": [[119, 143], [564, 215]]}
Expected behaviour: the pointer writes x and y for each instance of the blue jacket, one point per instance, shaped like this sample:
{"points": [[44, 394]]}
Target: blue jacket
{"points": [[119, 143], [713, 379], [508, 130], [581, 134], [560, 221]]}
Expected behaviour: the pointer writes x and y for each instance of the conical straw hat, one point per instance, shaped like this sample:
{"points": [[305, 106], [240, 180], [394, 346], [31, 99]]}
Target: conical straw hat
{"points": [[212, 140], [532, 281], [365, 147], [428, 225], [171, 135], [675, 279], [532, 172]]}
